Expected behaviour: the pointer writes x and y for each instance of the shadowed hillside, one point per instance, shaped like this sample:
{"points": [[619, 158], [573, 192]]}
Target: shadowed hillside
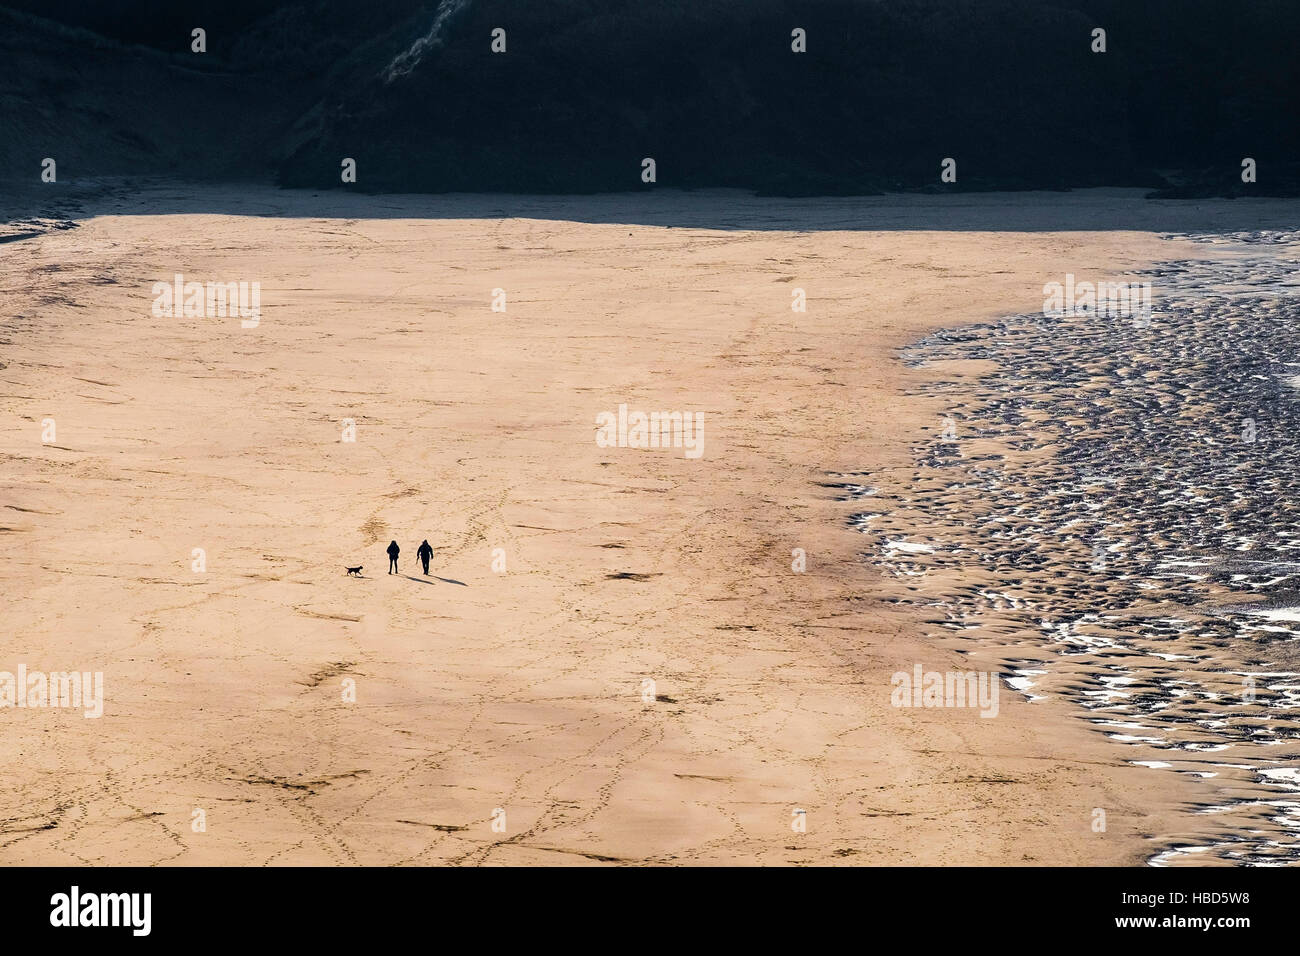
{"points": [[710, 89]]}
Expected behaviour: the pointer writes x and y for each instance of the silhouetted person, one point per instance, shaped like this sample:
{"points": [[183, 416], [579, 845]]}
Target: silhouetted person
{"points": [[425, 553], [393, 551]]}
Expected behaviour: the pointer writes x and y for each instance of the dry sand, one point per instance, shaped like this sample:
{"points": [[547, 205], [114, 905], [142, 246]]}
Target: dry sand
{"points": [[522, 690]]}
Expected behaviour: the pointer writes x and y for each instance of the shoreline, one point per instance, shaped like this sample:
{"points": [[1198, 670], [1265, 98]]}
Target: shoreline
{"points": [[1151, 636], [519, 690]]}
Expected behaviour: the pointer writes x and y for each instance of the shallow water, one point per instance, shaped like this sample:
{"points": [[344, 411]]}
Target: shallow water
{"points": [[1119, 513]]}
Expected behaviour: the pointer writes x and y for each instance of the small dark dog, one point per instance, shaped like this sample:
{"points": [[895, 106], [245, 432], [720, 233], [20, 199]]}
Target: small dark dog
{"points": [[356, 570]]}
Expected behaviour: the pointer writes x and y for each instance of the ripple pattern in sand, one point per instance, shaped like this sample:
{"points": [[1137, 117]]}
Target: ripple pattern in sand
{"points": [[1120, 513]]}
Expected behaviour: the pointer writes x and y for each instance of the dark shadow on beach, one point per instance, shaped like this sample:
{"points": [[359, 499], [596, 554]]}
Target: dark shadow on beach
{"points": [[1089, 210], [433, 577]]}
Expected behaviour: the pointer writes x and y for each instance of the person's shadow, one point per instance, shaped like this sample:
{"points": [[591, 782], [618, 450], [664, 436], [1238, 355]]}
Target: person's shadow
{"points": [[434, 577]]}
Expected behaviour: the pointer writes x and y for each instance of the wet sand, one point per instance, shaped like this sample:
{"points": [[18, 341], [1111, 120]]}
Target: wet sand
{"points": [[1114, 506], [522, 691]]}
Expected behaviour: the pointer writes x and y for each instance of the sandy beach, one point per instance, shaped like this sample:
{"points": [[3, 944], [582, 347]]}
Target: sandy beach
{"points": [[496, 712]]}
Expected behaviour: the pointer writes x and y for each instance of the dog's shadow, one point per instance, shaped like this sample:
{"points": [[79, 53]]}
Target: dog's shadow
{"points": [[434, 577]]}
